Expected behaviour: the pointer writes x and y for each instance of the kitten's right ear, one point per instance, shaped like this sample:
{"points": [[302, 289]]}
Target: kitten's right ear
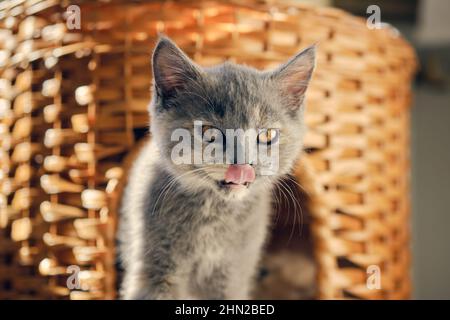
{"points": [[172, 69], [294, 77]]}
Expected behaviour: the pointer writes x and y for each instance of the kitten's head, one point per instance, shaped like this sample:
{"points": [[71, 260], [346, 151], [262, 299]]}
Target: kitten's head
{"points": [[266, 106]]}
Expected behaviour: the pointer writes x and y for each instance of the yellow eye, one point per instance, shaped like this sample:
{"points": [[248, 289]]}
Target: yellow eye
{"points": [[268, 136]]}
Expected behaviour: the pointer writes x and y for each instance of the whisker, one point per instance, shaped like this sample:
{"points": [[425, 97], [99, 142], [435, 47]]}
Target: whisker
{"points": [[297, 205], [298, 184], [301, 209], [295, 208], [169, 185]]}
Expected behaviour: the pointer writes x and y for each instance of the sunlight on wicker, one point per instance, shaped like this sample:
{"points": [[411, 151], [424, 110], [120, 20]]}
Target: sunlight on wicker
{"points": [[71, 101]]}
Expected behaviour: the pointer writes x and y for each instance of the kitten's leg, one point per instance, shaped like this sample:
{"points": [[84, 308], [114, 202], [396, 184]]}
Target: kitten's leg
{"points": [[214, 286], [140, 286], [135, 287], [241, 276], [247, 257], [149, 272]]}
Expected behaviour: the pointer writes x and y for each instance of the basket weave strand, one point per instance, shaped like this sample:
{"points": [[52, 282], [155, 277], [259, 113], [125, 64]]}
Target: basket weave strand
{"points": [[73, 103]]}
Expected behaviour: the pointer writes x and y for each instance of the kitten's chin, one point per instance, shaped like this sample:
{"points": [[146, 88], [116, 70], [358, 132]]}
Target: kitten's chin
{"points": [[232, 191], [226, 191]]}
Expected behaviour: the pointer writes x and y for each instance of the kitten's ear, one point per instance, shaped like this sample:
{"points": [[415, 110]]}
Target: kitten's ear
{"points": [[293, 77], [172, 69]]}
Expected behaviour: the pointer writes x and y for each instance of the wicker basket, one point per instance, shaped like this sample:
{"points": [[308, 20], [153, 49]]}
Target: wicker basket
{"points": [[73, 104]]}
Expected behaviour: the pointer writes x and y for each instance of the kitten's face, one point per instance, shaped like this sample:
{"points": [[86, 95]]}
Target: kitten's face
{"points": [[268, 106]]}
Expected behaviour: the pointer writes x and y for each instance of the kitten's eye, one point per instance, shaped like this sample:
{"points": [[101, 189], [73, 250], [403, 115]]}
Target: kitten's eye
{"points": [[209, 133], [268, 136]]}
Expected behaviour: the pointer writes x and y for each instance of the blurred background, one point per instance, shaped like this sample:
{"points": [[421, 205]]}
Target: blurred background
{"points": [[426, 25]]}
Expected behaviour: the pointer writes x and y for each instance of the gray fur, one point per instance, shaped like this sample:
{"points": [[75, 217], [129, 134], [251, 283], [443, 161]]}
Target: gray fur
{"points": [[182, 236]]}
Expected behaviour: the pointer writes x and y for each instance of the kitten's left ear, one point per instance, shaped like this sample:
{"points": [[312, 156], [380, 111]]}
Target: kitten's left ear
{"points": [[293, 77], [173, 71]]}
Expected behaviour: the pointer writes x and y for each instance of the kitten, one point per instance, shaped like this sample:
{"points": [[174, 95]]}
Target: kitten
{"points": [[196, 231]]}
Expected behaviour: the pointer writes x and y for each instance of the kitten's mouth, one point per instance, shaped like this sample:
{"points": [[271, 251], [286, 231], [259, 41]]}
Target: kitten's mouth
{"points": [[238, 177], [231, 185]]}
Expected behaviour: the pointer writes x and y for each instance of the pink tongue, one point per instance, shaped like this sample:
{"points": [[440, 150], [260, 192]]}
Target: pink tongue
{"points": [[240, 173]]}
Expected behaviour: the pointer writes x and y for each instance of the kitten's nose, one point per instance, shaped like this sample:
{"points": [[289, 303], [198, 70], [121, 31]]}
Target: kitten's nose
{"points": [[240, 173]]}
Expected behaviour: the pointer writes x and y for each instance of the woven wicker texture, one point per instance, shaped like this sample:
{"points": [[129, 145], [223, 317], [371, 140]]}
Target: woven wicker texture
{"points": [[73, 103]]}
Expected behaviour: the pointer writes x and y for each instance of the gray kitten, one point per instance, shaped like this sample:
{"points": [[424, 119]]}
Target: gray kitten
{"points": [[196, 231]]}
